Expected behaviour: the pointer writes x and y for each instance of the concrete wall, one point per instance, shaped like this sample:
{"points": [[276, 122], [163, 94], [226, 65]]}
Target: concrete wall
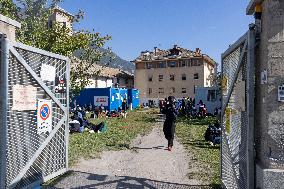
{"points": [[8, 27], [269, 113]]}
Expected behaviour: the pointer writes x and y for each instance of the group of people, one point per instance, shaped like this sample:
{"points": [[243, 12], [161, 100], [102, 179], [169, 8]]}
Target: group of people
{"points": [[100, 111], [187, 107], [171, 108]]}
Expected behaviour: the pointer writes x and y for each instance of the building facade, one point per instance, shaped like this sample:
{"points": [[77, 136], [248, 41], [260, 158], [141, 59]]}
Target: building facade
{"points": [[110, 77], [62, 17], [176, 72]]}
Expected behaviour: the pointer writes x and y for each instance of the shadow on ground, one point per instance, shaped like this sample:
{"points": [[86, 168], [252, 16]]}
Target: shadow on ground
{"points": [[201, 144], [79, 180], [156, 148]]}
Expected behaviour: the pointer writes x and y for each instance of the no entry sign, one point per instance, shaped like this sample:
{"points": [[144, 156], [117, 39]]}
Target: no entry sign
{"points": [[44, 116], [44, 112]]}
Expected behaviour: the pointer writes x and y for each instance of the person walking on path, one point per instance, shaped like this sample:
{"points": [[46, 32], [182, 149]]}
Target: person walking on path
{"points": [[169, 124]]}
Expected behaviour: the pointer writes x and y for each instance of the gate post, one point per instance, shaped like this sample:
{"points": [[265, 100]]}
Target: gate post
{"points": [[269, 102], [7, 31], [4, 54], [250, 107]]}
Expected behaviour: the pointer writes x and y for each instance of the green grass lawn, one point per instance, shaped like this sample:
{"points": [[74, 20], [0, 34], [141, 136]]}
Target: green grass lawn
{"points": [[118, 136], [190, 134]]}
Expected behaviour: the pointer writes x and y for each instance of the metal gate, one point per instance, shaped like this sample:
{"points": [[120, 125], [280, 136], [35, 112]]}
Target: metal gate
{"points": [[29, 157], [237, 161]]}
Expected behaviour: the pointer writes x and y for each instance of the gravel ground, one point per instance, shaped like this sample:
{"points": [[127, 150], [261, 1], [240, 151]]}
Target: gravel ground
{"points": [[146, 165]]}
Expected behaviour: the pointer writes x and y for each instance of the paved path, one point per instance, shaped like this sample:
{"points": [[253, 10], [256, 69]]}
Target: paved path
{"points": [[146, 165]]}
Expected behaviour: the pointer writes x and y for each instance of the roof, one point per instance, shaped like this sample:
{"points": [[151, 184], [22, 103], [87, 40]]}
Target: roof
{"points": [[102, 71], [251, 6], [62, 11], [174, 53]]}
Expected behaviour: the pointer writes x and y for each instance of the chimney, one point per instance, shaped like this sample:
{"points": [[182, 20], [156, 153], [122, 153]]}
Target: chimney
{"points": [[8, 27], [197, 50], [175, 46], [155, 51]]}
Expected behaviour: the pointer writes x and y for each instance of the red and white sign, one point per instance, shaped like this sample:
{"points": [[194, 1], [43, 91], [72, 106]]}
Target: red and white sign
{"points": [[44, 116], [101, 100]]}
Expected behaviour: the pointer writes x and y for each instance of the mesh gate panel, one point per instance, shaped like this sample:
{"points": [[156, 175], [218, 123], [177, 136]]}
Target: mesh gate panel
{"points": [[234, 125], [23, 141]]}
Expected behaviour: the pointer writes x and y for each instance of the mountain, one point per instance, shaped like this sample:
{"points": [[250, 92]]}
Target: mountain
{"points": [[112, 60]]}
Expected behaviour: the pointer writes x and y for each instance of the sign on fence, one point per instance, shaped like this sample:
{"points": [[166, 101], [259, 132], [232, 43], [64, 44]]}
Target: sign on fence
{"points": [[24, 97], [44, 116]]}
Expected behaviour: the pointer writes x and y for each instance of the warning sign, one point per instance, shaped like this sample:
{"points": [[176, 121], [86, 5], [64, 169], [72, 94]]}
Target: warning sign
{"points": [[44, 116]]}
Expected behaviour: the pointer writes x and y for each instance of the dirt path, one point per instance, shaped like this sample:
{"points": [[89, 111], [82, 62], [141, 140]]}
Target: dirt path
{"points": [[146, 165]]}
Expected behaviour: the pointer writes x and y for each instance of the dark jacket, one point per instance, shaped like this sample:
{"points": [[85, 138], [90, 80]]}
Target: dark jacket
{"points": [[171, 112], [124, 106]]}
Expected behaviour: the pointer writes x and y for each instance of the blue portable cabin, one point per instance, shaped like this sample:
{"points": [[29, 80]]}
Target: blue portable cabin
{"points": [[108, 97], [133, 97], [123, 95]]}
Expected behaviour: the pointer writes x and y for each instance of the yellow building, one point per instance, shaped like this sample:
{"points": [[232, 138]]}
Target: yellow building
{"points": [[176, 72]]}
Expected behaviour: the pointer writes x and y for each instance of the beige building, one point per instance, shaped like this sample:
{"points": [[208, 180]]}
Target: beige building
{"points": [[175, 72], [61, 16]]}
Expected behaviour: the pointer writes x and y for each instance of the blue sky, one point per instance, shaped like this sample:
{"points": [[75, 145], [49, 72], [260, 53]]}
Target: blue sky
{"points": [[138, 25]]}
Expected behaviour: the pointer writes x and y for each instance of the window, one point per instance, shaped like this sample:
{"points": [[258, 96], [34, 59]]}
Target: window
{"points": [[161, 77], [211, 96], [173, 90], [189, 62], [172, 77], [161, 65], [161, 90], [150, 91], [64, 24], [172, 64], [198, 62], [195, 76], [150, 78], [149, 65], [194, 89], [183, 77], [183, 63], [183, 90], [117, 80], [126, 81], [50, 24]]}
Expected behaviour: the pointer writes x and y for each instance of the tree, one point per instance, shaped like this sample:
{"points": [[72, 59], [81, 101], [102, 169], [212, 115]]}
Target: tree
{"points": [[33, 16]]}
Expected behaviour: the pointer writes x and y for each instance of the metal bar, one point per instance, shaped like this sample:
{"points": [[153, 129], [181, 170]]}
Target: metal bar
{"points": [[234, 46], [55, 174], [235, 77], [250, 107], [221, 123], [67, 104], [39, 51], [4, 65], [38, 79], [38, 152]]}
